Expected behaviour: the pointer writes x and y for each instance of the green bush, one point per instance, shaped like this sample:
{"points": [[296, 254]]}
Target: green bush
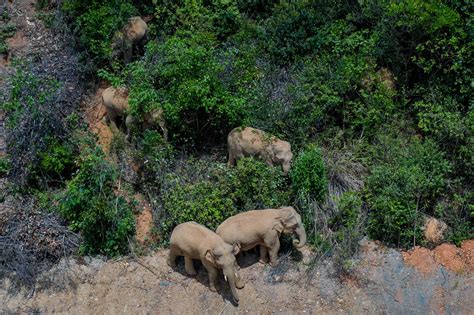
{"points": [[96, 22], [90, 206], [209, 192], [221, 17], [405, 185], [182, 76], [203, 202], [257, 186], [4, 166], [6, 30], [56, 162], [308, 175]]}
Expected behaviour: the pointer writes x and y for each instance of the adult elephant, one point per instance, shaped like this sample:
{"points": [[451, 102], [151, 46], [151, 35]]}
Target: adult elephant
{"points": [[263, 228], [249, 141], [116, 105], [194, 241]]}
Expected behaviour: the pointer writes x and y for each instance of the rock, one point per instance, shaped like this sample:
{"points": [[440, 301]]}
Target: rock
{"points": [[434, 230]]}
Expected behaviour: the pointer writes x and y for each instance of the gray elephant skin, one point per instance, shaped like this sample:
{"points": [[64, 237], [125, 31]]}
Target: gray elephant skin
{"points": [[132, 34], [116, 105], [243, 142], [263, 228], [194, 241]]}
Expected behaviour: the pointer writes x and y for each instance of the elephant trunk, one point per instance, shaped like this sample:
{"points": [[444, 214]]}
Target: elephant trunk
{"points": [[300, 231], [286, 167], [230, 277]]}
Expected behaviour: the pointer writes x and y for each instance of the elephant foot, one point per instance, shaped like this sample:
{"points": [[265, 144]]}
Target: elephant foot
{"points": [[263, 261], [239, 284], [212, 287], [274, 263], [191, 272]]}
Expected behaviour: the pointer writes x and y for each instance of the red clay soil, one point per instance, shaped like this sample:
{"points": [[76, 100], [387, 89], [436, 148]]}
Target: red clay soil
{"points": [[468, 250], [144, 221], [94, 113], [456, 259], [421, 258], [450, 257]]}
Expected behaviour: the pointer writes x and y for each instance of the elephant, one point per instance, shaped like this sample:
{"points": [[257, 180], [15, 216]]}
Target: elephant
{"points": [[132, 35], [249, 141], [116, 104], [263, 227], [195, 241]]}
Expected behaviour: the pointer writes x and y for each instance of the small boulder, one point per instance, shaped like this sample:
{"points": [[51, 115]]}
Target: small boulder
{"points": [[434, 230]]}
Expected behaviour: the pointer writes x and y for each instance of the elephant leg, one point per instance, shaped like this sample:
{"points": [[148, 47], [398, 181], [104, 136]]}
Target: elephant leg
{"points": [[164, 129], [129, 125], [231, 159], [213, 275], [107, 119], [128, 53], [172, 258], [189, 266], [272, 242], [263, 254]]}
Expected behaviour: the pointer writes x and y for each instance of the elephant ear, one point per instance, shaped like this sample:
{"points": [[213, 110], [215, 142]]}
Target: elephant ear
{"points": [[278, 227], [236, 248], [209, 255]]}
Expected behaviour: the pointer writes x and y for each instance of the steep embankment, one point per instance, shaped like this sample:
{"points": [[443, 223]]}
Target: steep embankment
{"points": [[380, 282]]}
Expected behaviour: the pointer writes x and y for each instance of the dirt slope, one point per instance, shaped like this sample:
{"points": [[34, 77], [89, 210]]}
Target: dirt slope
{"points": [[380, 283]]}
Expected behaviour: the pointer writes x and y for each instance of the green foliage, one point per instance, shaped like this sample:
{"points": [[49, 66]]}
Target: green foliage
{"points": [[202, 202], [308, 175], [4, 166], [220, 17], [208, 193], [6, 30], [182, 76], [309, 72], [254, 185], [56, 162], [90, 206], [96, 23], [401, 188]]}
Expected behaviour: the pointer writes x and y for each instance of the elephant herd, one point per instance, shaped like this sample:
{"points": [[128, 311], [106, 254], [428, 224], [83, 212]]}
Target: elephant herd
{"points": [[244, 231]]}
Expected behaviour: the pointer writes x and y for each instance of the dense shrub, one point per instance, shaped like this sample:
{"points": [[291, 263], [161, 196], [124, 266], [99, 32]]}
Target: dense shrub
{"points": [[91, 207], [182, 76], [95, 23], [208, 193], [38, 124], [254, 185], [346, 75], [308, 176], [405, 185], [219, 17]]}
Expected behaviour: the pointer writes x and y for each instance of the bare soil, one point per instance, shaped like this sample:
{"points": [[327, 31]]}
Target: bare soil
{"points": [[144, 221], [94, 111], [379, 283], [459, 260]]}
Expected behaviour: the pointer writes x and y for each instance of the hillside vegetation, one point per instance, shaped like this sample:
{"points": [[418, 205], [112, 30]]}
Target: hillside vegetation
{"points": [[375, 98]]}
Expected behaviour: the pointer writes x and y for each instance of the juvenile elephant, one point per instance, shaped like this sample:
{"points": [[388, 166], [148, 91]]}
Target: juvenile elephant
{"points": [[194, 241], [263, 227], [116, 104], [132, 35], [249, 141]]}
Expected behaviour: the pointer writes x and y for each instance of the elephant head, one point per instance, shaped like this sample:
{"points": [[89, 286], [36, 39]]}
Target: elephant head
{"points": [[290, 222], [223, 257], [281, 154]]}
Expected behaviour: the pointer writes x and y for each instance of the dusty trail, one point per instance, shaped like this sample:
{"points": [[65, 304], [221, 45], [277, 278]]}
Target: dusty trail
{"points": [[379, 283]]}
